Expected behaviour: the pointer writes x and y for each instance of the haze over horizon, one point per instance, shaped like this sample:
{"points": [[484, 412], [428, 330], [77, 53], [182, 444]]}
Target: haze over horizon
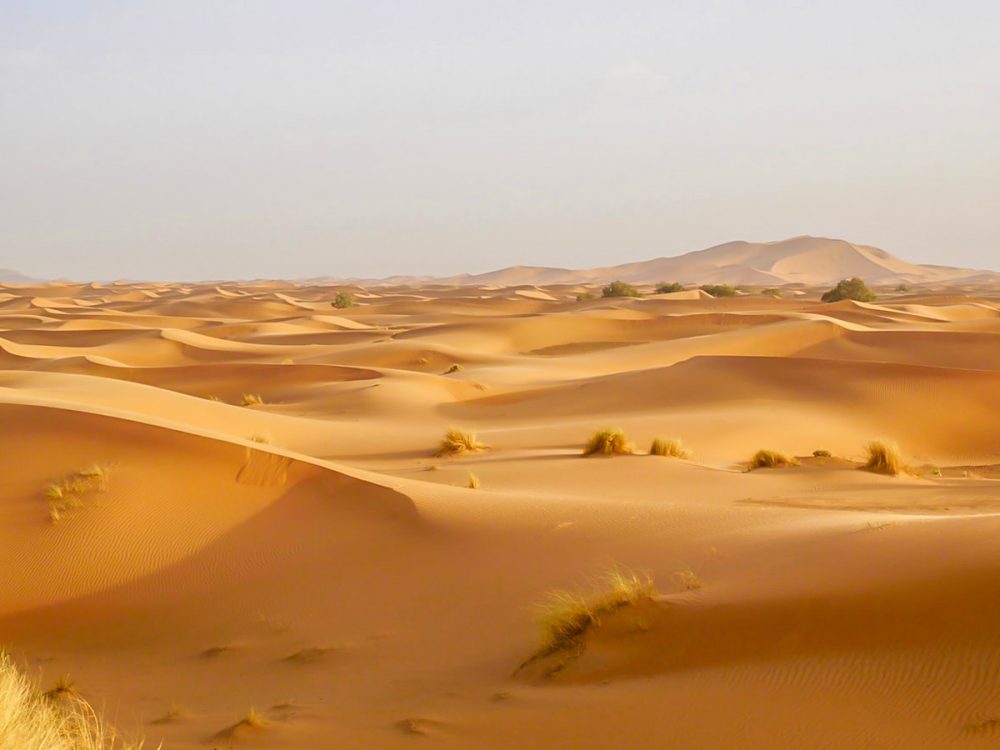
{"points": [[254, 140]]}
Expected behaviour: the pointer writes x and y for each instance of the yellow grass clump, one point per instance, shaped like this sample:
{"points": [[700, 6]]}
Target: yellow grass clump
{"points": [[58, 720], [565, 616], [608, 442], [883, 458], [252, 399], [473, 481], [458, 441], [672, 448], [454, 368], [69, 492], [768, 459], [254, 719]]}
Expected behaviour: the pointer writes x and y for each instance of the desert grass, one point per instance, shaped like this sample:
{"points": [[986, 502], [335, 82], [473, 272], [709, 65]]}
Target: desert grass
{"points": [[69, 492], [456, 442], [473, 483], [56, 720], [608, 442], [671, 448], [768, 459], [564, 617], [252, 399], [253, 719], [687, 580], [454, 368], [883, 458]]}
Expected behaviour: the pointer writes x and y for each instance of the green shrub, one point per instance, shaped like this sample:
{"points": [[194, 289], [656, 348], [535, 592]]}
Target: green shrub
{"points": [[854, 289], [718, 290], [619, 289], [343, 299], [665, 288]]}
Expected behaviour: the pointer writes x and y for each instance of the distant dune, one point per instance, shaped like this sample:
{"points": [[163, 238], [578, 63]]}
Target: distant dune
{"points": [[800, 260]]}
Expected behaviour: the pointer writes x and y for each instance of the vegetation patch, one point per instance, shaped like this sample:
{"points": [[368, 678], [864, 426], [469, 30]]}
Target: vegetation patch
{"points": [[718, 290], [457, 442], [853, 288], [619, 289], [883, 458], [608, 442], [768, 459], [343, 300], [70, 492], [668, 288], [670, 447]]}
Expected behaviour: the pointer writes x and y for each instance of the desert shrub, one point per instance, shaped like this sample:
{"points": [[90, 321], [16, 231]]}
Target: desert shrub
{"points": [[771, 291], [687, 579], [473, 483], [822, 454], [903, 288], [854, 289], [619, 289], [768, 459], [883, 458], [664, 288], [343, 300], [583, 296], [608, 442], [252, 399], [718, 290], [454, 368], [59, 719], [457, 441], [565, 616], [671, 447]]}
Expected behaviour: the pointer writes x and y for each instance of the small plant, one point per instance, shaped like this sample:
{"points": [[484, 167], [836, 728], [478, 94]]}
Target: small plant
{"points": [[771, 291], [565, 616], [584, 296], [608, 442], [64, 686], [854, 289], [664, 288], [258, 437], [253, 719], [883, 458], [252, 399], [718, 290], [687, 580], [343, 300], [422, 360], [454, 368], [768, 459], [619, 289], [69, 492], [473, 482], [456, 442], [672, 448], [822, 454]]}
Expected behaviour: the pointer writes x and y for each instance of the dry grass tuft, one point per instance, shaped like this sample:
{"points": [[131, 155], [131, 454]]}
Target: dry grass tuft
{"points": [[565, 616], [822, 454], [454, 368], [252, 399], [69, 492], [473, 481], [767, 459], [672, 448], [57, 720], [254, 719], [883, 458], [608, 442], [687, 579], [456, 442]]}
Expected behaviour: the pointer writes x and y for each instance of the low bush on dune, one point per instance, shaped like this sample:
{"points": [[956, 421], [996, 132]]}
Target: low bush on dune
{"points": [[883, 458], [252, 399], [454, 368], [57, 720], [343, 300], [718, 290], [772, 291], [608, 442], [584, 296], [619, 289], [456, 442], [664, 288], [564, 617], [69, 493], [473, 483], [822, 454], [672, 448], [854, 289], [768, 459]]}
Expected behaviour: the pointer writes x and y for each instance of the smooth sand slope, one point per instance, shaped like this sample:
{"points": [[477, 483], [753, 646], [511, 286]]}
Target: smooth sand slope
{"points": [[249, 513]]}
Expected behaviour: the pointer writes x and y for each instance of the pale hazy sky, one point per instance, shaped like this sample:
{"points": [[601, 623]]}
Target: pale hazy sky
{"points": [[224, 139]]}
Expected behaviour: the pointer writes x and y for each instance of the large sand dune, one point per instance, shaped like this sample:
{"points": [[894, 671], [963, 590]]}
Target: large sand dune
{"points": [[306, 554]]}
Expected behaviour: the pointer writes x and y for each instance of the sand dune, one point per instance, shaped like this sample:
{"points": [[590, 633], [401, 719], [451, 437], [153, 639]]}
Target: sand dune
{"points": [[272, 529]]}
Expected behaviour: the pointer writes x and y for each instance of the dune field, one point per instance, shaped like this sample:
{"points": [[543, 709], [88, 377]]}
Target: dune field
{"points": [[226, 522]]}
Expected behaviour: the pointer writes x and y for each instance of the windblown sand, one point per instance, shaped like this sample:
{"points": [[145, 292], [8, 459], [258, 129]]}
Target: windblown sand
{"points": [[309, 557]]}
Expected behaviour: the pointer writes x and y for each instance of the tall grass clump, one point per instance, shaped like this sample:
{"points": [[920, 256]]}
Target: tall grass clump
{"points": [[608, 442], [564, 617], [57, 720], [456, 442], [883, 458], [70, 491], [768, 459], [252, 399], [671, 448]]}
